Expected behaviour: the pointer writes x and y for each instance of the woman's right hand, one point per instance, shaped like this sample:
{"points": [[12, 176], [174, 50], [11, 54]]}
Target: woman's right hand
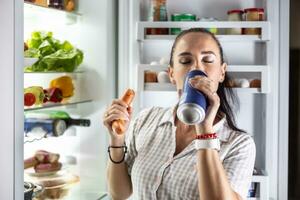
{"points": [[117, 110]]}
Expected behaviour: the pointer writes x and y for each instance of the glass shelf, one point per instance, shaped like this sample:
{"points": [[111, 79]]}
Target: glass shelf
{"points": [[35, 13], [56, 105], [35, 6], [53, 72]]}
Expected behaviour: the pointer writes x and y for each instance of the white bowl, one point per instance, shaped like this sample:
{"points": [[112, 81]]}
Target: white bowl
{"points": [[29, 61]]}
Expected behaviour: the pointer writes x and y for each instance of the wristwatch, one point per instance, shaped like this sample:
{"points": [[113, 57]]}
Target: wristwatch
{"points": [[207, 144]]}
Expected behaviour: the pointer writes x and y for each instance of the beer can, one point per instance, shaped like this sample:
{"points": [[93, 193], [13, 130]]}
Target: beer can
{"points": [[193, 103]]}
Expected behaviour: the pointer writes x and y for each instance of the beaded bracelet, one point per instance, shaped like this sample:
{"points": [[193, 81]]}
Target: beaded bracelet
{"points": [[117, 147], [206, 136]]}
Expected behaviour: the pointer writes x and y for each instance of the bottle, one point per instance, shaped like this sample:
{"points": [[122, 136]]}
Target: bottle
{"points": [[55, 123], [192, 104]]}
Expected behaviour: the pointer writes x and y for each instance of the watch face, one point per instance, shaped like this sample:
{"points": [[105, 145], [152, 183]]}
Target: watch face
{"points": [[59, 127]]}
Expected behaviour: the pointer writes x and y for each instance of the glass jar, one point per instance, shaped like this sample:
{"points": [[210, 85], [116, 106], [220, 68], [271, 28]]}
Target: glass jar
{"points": [[235, 15], [253, 14], [158, 12]]}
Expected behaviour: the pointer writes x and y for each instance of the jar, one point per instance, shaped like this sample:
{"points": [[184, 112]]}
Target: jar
{"points": [[158, 12], [253, 14], [181, 17], [235, 15], [210, 19]]}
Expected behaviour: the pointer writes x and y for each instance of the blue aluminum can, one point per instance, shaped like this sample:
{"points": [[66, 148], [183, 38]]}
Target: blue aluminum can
{"points": [[193, 103]]}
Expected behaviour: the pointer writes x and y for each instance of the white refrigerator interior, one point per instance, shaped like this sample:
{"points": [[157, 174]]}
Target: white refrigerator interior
{"points": [[91, 28], [248, 56]]}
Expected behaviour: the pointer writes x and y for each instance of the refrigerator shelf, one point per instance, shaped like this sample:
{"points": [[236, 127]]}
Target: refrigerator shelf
{"points": [[57, 105], [264, 25], [39, 73], [262, 70], [37, 13], [168, 87], [222, 38], [51, 9]]}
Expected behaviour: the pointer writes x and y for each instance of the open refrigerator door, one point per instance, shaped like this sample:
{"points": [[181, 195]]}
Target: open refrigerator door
{"points": [[69, 78]]}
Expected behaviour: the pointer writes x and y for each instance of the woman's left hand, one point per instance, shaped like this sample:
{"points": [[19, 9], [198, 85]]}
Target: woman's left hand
{"points": [[209, 88]]}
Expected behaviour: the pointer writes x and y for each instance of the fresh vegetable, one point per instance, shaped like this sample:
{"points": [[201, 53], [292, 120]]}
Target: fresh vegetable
{"points": [[29, 99], [65, 84], [38, 94], [53, 54], [53, 94]]}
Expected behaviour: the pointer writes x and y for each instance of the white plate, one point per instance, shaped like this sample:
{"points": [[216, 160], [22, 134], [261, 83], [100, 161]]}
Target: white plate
{"points": [[29, 61]]}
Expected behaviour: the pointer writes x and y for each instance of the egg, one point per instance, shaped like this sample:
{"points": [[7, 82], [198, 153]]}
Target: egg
{"points": [[150, 77], [164, 61], [243, 83], [163, 77], [154, 63], [256, 83]]}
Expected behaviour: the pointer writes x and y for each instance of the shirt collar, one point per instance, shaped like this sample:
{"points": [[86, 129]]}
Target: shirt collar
{"points": [[221, 127]]}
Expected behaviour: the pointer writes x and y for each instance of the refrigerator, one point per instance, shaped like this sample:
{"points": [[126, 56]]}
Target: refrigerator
{"points": [[92, 28], [117, 53]]}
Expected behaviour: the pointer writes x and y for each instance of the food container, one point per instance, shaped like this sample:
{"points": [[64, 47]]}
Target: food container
{"points": [[57, 186], [158, 12], [181, 17], [210, 19], [253, 14], [235, 15]]}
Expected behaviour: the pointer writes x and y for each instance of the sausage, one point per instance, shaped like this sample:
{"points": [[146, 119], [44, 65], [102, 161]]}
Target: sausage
{"points": [[30, 162], [47, 167], [118, 126], [46, 157]]}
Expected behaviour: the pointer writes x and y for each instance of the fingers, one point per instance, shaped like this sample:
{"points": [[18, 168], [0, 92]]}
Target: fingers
{"points": [[119, 102], [117, 110], [204, 84]]}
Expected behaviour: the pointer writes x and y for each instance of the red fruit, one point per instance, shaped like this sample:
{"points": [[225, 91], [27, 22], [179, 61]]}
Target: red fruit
{"points": [[29, 99], [54, 95]]}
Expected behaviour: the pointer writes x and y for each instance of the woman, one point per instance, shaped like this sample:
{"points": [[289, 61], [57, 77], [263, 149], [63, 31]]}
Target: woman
{"points": [[161, 160]]}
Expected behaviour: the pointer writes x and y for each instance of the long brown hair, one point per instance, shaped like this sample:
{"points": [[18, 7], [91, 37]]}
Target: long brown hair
{"points": [[228, 98]]}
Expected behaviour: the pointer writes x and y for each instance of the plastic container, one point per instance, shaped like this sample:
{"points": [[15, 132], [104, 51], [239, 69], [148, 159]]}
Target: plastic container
{"points": [[235, 15], [254, 14]]}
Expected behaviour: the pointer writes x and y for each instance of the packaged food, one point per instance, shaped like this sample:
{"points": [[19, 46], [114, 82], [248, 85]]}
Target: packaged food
{"points": [[181, 17], [253, 14], [158, 12], [235, 15]]}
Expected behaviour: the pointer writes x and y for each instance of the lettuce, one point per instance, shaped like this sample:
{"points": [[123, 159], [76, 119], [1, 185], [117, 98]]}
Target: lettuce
{"points": [[53, 55]]}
